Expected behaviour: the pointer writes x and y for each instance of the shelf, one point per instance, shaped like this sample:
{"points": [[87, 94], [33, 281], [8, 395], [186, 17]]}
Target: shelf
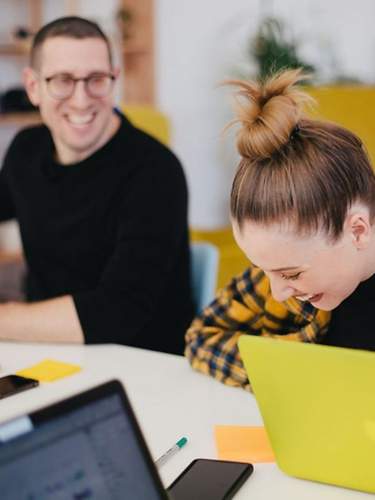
{"points": [[138, 53], [14, 49], [7, 257], [20, 119], [134, 50]]}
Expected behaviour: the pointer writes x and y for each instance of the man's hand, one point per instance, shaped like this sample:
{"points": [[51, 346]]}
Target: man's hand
{"points": [[53, 320]]}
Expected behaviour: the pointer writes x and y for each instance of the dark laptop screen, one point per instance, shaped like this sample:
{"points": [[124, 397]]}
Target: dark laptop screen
{"points": [[91, 452]]}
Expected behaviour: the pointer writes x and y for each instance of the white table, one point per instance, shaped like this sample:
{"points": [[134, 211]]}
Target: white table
{"points": [[170, 401]]}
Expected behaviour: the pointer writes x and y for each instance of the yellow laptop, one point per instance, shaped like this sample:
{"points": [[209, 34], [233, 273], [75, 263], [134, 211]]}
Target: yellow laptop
{"points": [[318, 407]]}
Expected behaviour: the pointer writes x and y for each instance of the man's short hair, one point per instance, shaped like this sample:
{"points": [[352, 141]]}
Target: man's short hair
{"points": [[69, 27]]}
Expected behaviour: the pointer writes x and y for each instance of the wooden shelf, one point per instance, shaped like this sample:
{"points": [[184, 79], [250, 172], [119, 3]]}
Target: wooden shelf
{"points": [[14, 49], [20, 119], [21, 47], [34, 20], [7, 257], [134, 50], [138, 53]]}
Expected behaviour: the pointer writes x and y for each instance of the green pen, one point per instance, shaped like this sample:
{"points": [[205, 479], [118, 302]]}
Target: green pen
{"points": [[169, 453]]}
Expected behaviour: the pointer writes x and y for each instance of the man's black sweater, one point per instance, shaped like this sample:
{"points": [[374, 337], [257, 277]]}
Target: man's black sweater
{"points": [[110, 230]]}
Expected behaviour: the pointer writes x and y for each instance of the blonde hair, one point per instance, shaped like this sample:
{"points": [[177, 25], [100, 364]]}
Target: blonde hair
{"points": [[294, 168]]}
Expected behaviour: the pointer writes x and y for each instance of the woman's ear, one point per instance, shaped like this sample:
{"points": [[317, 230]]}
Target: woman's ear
{"points": [[360, 229], [31, 83]]}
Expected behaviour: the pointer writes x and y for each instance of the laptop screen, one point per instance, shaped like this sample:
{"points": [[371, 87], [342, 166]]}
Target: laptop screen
{"points": [[78, 450]]}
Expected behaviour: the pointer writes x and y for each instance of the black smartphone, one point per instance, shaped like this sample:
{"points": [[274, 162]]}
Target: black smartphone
{"points": [[12, 384], [206, 479]]}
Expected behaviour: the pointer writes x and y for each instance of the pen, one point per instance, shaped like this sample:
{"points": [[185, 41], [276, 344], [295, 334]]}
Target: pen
{"points": [[169, 453]]}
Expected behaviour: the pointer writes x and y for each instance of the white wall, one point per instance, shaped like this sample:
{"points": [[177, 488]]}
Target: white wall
{"points": [[196, 45], [201, 42]]}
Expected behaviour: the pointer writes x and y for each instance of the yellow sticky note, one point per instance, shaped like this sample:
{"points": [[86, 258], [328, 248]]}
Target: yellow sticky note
{"points": [[243, 444], [49, 370]]}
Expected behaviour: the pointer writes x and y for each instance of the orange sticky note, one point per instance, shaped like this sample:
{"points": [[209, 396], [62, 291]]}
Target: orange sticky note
{"points": [[243, 444], [49, 370]]}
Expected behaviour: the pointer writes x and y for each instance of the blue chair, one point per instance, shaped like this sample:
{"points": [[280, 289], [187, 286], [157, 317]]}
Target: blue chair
{"points": [[204, 267]]}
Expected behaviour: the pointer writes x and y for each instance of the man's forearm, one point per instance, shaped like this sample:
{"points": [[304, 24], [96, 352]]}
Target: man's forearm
{"points": [[53, 320]]}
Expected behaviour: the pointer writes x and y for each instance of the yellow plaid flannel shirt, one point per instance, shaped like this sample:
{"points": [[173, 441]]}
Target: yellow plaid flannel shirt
{"points": [[246, 306]]}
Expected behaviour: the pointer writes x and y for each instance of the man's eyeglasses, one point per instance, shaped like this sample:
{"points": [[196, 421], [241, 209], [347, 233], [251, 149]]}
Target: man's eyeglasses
{"points": [[61, 86]]}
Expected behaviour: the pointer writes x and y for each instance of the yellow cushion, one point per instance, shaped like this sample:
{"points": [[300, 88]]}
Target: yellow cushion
{"points": [[149, 120], [351, 107]]}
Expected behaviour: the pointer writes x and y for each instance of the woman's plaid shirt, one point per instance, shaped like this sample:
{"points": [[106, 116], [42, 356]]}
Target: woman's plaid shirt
{"points": [[246, 306]]}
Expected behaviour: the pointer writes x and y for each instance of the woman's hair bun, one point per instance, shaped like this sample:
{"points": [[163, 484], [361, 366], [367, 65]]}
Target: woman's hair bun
{"points": [[268, 111]]}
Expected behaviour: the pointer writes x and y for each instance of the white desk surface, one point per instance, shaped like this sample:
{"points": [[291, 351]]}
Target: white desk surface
{"points": [[170, 401]]}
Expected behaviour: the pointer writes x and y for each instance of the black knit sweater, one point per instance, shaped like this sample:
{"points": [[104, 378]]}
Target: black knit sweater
{"points": [[110, 230]]}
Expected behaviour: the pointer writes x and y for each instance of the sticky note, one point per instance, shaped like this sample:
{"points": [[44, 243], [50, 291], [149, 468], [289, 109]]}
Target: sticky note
{"points": [[243, 444], [49, 370]]}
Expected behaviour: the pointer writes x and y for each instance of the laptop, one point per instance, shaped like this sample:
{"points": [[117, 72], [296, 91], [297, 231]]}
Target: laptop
{"points": [[318, 407], [87, 446]]}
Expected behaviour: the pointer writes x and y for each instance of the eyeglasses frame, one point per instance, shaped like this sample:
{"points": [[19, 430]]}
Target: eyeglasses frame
{"points": [[85, 80]]}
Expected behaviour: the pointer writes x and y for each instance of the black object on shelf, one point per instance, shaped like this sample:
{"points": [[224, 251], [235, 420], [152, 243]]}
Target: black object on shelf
{"points": [[15, 100], [22, 33]]}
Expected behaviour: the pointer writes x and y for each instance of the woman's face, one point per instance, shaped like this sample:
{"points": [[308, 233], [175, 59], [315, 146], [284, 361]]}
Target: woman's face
{"points": [[311, 268]]}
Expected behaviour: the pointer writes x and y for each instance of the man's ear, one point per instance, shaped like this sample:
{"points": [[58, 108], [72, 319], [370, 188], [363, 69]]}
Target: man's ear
{"points": [[359, 226], [31, 84]]}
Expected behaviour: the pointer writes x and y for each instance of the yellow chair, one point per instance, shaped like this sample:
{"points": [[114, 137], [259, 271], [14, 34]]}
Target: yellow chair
{"points": [[351, 107], [149, 120]]}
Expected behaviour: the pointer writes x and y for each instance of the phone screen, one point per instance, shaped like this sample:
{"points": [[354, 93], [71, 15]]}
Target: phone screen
{"points": [[209, 480], [12, 384]]}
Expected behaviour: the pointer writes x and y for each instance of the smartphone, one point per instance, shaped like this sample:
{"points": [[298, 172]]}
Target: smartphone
{"points": [[12, 384], [206, 479]]}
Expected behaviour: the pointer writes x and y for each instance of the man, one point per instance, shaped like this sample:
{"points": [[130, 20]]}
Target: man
{"points": [[102, 207]]}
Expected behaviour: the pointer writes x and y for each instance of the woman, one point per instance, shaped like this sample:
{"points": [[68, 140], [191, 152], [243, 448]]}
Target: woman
{"points": [[302, 209]]}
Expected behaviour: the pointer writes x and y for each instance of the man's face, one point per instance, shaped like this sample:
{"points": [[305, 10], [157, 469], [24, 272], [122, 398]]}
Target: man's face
{"points": [[308, 268], [79, 124]]}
